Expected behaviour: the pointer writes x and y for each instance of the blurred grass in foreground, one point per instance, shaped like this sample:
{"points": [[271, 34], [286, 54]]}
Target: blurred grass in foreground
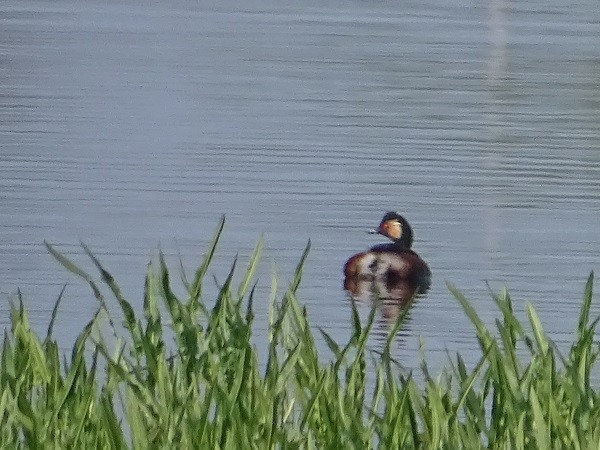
{"points": [[136, 388]]}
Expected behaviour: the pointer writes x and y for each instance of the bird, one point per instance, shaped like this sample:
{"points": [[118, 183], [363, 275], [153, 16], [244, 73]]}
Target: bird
{"points": [[392, 262]]}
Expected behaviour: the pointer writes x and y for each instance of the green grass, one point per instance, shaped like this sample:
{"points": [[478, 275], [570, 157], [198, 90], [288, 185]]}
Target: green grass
{"points": [[180, 375]]}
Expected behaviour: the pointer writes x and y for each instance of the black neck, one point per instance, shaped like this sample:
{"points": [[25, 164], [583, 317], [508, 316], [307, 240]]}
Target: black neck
{"points": [[401, 244], [406, 239]]}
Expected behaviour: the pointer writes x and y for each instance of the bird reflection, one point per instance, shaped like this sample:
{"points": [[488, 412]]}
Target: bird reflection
{"points": [[391, 296]]}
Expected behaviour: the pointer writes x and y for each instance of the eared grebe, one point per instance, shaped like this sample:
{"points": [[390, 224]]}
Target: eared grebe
{"points": [[392, 262]]}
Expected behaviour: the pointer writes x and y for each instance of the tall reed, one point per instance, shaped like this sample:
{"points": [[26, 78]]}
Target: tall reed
{"points": [[178, 374]]}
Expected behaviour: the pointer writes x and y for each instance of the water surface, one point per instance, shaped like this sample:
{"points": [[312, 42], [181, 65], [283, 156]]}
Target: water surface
{"points": [[130, 126]]}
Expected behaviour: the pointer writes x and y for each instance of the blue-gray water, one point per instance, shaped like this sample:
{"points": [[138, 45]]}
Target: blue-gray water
{"points": [[135, 125]]}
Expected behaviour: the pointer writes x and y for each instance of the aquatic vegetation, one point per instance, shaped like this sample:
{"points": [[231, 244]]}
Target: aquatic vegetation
{"points": [[181, 374]]}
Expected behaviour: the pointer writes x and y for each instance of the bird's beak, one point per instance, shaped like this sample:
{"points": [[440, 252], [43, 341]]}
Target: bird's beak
{"points": [[373, 231]]}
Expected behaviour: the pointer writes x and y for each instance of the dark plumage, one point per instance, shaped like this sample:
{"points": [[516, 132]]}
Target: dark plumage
{"points": [[390, 262]]}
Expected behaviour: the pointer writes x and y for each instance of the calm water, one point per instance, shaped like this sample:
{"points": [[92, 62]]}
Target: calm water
{"points": [[135, 126]]}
